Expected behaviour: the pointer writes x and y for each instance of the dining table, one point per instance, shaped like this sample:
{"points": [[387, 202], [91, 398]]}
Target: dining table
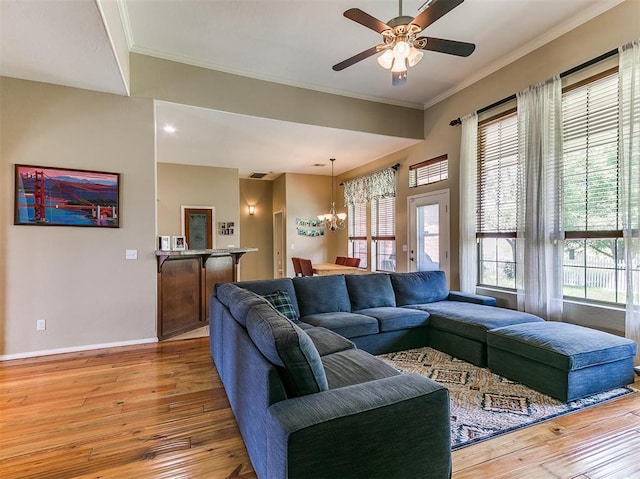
{"points": [[323, 269]]}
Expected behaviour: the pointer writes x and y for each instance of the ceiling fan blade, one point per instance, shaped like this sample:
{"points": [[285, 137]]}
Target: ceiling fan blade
{"points": [[433, 12], [452, 47], [365, 19], [357, 58]]}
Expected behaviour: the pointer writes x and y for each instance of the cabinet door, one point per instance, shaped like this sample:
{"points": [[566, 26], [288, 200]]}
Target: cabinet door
{"points": [[179, 301]]}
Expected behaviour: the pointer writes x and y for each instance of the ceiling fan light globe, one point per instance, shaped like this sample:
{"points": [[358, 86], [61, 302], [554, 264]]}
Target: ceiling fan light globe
{"points": [[386, 60], [414, 57], [401, 50]]}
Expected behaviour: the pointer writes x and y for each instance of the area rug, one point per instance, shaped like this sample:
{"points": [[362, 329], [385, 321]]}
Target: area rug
{"points": [[483, 404]]}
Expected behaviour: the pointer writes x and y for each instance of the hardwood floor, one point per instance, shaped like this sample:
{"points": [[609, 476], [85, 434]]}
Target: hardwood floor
{"points": [[149, 411], [160, 411]]}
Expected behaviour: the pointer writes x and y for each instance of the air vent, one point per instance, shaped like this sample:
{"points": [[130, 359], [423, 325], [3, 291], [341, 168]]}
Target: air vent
{"points": [[257, 175]]}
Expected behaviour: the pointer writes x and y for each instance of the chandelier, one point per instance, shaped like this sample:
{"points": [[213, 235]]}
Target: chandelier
{"points": [[333, 220]]}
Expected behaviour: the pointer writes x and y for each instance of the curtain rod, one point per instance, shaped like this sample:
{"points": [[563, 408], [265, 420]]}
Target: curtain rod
{"points": [[395, 167], [571, 71]]}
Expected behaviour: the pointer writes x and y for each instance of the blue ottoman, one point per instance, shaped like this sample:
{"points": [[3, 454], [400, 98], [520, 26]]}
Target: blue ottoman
{"points": [[562, 360], [460, 328]]}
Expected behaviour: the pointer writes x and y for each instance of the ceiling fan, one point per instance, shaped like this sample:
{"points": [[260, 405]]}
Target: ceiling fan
{"points": [[401, 44]]}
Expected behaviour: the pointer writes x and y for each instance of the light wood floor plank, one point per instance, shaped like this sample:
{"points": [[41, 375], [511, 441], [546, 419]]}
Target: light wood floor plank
{"points": [[159, 411]]}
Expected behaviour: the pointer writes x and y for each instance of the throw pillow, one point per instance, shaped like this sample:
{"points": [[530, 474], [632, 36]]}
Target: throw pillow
{"points": [[282, 302]]}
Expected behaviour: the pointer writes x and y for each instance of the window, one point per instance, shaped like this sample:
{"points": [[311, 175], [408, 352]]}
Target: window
{"points": [[357, 220], [430, 171], [496, 200], [593, 266], [383, 233]]}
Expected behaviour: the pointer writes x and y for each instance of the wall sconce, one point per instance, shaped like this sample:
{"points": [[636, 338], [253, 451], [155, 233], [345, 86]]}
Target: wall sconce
{"points": [[252, 209]]}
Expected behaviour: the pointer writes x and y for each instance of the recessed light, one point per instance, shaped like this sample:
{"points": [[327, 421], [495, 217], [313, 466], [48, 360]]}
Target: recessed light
{"points": [[169, 129]]}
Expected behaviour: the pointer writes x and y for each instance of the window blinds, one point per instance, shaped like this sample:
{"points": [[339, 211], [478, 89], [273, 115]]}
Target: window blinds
{"points": [[430, 171], [357, 219], [383, 219], [591, 170], [497, 175]]}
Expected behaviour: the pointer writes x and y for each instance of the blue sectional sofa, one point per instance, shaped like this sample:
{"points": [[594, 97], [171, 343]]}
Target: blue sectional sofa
{"points": [[309, 404], [295, 356]]}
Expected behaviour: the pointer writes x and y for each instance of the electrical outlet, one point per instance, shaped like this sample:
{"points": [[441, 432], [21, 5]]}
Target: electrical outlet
{"points": [[41, 325]]}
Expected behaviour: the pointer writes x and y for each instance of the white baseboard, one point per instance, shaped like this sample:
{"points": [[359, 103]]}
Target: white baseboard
{"points": [[75, 349]]}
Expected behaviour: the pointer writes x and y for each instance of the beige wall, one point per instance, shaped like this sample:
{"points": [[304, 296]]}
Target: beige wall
{"points": [[307, 196], [257, 229], [189, 85], [185, 185], [77, 279]]}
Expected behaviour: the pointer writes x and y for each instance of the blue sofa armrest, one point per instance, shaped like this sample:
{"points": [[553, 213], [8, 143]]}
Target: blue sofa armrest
{"points": [[391, 427], [471, 298]]}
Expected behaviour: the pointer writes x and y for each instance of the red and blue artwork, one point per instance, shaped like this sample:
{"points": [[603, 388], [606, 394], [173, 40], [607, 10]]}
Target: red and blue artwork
{"points": [[65, 197]]}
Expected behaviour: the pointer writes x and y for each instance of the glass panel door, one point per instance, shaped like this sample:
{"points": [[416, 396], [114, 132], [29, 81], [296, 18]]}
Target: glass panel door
{"points": [[427, 254], [429, 232]]}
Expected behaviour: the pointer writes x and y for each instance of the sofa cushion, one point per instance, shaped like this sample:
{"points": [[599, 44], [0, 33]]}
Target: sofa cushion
{"points": [[354, 366], [419, 287], [349, 325], [394, 319], [321, 294], [282, 302], [288, 347], [370, 291], [238, 300], [326, 341], [472, 320], [564, 346], [268, 286]]}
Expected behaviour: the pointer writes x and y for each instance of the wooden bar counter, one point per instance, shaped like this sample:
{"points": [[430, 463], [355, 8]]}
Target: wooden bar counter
{"points": [[185, 282]]}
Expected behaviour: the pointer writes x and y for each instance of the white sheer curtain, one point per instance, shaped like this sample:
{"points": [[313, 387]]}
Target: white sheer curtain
{"points": [[539, 243], [468, 187], [629, 157]]}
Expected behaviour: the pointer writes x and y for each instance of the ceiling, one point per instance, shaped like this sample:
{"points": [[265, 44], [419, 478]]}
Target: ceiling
{"points": [[294, 42]]}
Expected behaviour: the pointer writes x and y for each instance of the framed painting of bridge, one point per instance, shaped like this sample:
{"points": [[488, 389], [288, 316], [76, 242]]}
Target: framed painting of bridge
{"points": [[49, 196]]}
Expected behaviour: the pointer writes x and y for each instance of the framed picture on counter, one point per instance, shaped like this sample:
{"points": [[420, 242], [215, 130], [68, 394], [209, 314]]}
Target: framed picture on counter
{"points": [[178, 243]]}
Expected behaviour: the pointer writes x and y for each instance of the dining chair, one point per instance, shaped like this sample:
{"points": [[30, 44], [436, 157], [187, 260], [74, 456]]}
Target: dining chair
{"points": [[341, 260], [306, 266], [355, 262], [297, 269]]}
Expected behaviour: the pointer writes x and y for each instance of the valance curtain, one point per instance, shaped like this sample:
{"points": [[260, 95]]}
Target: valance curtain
{"points": [[539, 243], [378, 185], [629, 158], [468, 178]]}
